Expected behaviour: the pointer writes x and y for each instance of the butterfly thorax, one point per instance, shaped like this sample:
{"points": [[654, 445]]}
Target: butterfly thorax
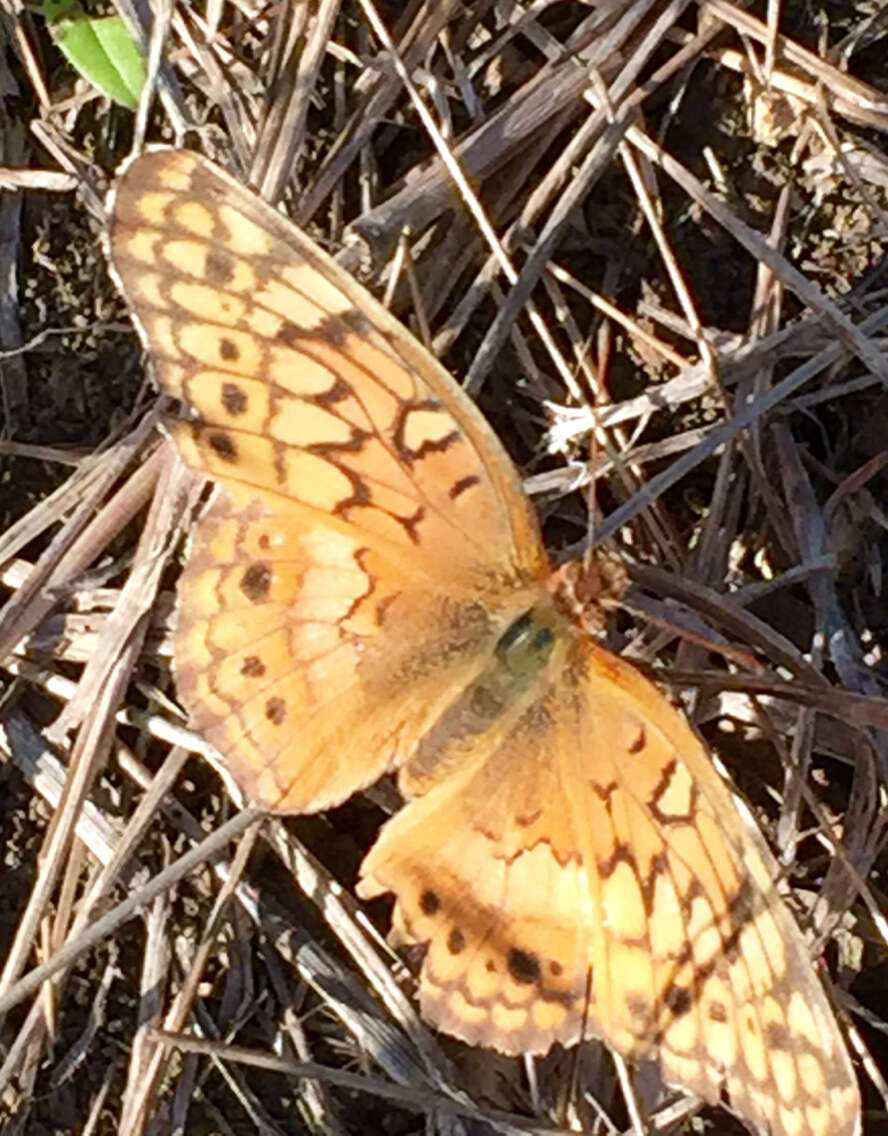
{"points": [[526, 648], [514, 671]]}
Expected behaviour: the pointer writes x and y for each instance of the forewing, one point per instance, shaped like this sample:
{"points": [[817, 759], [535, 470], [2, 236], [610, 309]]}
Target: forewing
{"points": [[589, 874], [304, 386]]}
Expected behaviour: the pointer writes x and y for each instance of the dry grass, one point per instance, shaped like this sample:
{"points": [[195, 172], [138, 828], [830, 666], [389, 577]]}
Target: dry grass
{"points": [[680, 318]]}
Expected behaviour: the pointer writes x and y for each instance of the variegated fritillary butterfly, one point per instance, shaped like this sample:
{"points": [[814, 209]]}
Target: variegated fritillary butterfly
{"points": [[368, 591]]}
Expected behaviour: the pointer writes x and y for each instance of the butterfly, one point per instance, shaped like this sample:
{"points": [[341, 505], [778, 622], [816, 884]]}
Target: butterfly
{"points": [[368, 592]]}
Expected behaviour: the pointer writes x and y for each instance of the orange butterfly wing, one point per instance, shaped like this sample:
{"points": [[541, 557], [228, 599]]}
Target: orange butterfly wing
{"points": [[369, 540], [368, 590], [591, 875]]}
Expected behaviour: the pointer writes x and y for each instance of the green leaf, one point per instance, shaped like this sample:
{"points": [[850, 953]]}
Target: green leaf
{"points": [[99, 49]]}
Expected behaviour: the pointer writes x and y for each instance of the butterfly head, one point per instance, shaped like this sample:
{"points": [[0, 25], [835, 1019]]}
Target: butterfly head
{"points": [[588, 590]]}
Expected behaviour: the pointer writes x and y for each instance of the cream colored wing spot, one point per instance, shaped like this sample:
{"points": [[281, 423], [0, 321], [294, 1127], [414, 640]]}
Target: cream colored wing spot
{"points": [[367, 591]]}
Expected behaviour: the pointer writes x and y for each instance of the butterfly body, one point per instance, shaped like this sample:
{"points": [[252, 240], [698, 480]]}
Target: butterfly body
{"points": [[368, 592]]}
